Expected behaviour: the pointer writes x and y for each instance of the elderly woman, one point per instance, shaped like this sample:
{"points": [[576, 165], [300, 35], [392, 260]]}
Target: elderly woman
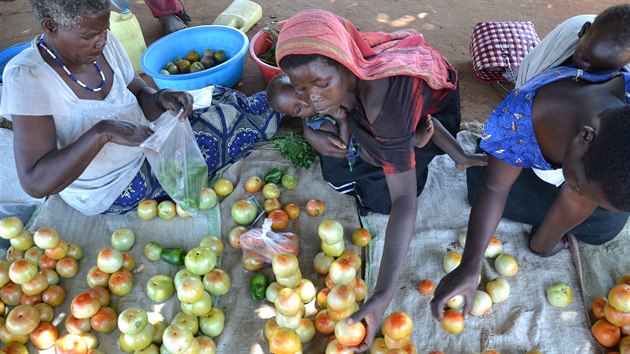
{"points": [[80, 113], [388, 83]]}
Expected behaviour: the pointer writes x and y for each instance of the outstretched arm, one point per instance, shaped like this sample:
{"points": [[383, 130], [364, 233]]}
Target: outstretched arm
{"points": [[445, 141], [397, 237], [485, 214]]}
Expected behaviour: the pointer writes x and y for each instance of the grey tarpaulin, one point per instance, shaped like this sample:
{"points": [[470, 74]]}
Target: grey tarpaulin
{"points": [[245, 318]]}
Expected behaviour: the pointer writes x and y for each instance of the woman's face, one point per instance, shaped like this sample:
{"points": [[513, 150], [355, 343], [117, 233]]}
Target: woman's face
{"points": [[573, 169], [323, 86], [84, 43]]}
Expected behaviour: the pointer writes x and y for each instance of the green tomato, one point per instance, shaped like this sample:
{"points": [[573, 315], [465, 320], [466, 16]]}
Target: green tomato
{"points": [[289, 181], [152, 251], [559, 294]]}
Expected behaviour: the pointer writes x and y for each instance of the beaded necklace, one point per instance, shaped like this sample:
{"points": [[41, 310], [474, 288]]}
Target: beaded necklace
{"points": [[43, 45]]}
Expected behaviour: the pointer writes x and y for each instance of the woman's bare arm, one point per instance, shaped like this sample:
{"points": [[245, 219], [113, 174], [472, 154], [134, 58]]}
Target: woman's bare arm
{"points": [[402, 219], [44, 170], [485, 214]]}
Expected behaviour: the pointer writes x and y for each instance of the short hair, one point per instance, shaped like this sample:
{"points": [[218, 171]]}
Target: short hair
{"points": [[293, 61], [68, 13], [615, 20], [274, 87], [607, 159]]}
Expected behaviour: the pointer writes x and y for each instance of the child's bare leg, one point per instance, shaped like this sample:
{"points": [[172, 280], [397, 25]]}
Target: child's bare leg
{"points": [[424, 132], [445, 141]]}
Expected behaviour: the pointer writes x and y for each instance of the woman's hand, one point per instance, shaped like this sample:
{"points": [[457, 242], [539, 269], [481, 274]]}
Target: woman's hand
{"points": [[371, 313], [462, 280], [326, 143], [123, 132], [173, 101]]}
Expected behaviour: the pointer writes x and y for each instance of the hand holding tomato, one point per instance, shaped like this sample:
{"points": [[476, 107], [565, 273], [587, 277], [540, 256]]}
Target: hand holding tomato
{"points": [[463, 280], [371, 313]]}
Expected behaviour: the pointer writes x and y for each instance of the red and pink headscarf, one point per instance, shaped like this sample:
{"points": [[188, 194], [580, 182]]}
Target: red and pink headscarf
{"points": [[369, 55]]}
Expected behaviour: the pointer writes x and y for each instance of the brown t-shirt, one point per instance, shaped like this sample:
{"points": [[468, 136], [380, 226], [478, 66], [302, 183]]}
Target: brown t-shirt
{"points": [[389, 140]]}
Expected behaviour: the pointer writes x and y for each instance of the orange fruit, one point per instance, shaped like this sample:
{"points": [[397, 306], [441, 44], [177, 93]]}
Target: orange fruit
{"points": [[606, 333]]}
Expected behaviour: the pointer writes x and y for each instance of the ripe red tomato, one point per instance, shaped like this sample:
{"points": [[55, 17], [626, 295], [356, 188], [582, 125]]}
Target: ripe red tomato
{"points": [[606, 333], [279, 219]]}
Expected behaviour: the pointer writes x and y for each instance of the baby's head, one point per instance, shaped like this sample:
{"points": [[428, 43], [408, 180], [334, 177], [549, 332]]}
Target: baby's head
{"points": [[606, 159], [605, 44], [283, 98]]}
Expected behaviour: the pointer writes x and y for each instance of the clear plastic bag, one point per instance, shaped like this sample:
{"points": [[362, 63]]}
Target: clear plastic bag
{"points": [[176, 160], [264, 243]]}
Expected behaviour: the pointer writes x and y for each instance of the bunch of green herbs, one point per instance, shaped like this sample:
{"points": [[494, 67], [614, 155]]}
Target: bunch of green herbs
{"points": [[296, 149]]}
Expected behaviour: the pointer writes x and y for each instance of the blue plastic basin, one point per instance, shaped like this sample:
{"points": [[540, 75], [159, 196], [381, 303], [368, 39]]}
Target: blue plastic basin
{"points": [[199, 38], [8, 53]]}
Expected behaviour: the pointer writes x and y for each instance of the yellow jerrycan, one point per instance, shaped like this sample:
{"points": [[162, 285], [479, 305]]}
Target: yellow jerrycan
{"points": [[241, 14], [125, 27]]}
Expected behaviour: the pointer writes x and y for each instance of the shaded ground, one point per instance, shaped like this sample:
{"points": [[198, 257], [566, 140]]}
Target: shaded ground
{"points": [[447, 24]]}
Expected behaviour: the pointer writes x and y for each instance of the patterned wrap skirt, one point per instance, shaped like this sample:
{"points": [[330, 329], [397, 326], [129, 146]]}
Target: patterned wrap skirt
{"points": [[225, 133]]}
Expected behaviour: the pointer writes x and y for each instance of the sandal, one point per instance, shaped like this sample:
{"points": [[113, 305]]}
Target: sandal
{"points": [[563, 244]]}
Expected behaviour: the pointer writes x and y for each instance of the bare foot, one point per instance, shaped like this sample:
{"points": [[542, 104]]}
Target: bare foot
{"points": [[471, 160], [172, 23], [424, 132]]}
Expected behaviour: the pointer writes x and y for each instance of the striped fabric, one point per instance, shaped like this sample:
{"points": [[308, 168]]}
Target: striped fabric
{"points": [[369, 55]]}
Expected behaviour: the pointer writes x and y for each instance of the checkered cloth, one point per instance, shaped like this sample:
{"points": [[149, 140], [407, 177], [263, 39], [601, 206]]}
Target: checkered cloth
{"points": [[497, 49]]}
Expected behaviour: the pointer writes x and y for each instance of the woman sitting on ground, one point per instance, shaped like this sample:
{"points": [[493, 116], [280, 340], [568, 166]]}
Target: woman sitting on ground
{"points": [[75, 94], [387, 96], [559, 159]]}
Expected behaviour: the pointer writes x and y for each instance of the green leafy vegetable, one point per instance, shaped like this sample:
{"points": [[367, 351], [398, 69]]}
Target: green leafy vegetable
{"points": [[296, 149]]}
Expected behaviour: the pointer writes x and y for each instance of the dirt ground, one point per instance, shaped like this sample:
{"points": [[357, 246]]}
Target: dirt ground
{"points": [[447, 24]]}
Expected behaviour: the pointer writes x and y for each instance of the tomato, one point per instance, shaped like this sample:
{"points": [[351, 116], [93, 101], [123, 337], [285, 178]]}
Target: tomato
{"points": [[253, 184], [234, 236], [619, 297], [279, 219], [44, 336], [22, 320], [453, 321], [619, 319], [360, 237], [315, 207], [285, 341], [104, 321], [270, 205], [54, 295], [271, 191], [289, 181], [426, 286], [323, 323], [349, 335], [597, 306], [223, 187], [397, 325], [606, 333], [147, 209], [244, 212], [293, 210]]}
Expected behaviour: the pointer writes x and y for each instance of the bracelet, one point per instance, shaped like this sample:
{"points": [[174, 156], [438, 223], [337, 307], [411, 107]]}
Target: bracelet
{"points": [[155, 98]]}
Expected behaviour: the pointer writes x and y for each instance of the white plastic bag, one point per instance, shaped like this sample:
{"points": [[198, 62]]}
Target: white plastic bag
{"points": [[176, 160], [263, 244]]}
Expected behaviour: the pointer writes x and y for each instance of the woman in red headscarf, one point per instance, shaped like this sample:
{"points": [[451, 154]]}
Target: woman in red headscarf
{"points": [[387, 83]]}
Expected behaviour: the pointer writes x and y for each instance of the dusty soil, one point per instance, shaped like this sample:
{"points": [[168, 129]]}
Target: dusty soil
{"points": [[447, 24]]}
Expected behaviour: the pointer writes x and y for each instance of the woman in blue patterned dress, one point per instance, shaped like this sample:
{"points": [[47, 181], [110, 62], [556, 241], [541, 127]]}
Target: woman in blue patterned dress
{"points": [[570, 129]]}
